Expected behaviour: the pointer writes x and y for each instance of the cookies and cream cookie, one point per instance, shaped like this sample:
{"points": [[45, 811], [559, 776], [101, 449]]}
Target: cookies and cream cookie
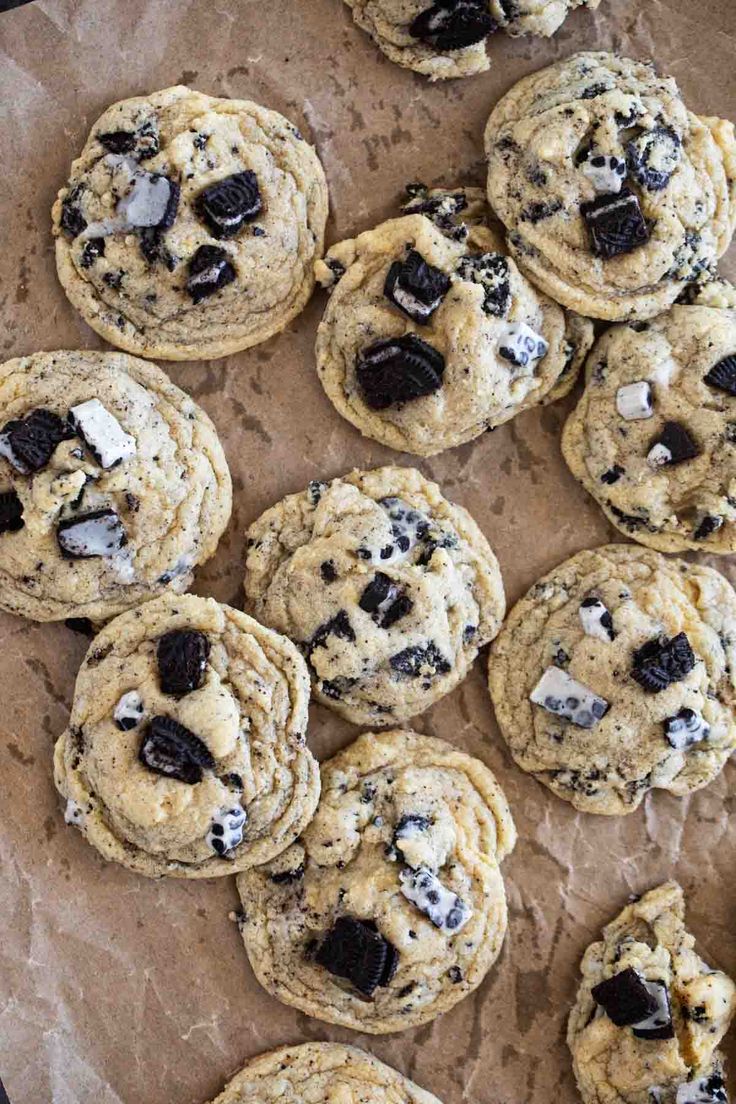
{"points": [[186, 753], [390, 908], [650, 1013], [432, 335], [614, 195], [388, 589], [190, 224], [616, 675], [653, 437], [113, 485]]}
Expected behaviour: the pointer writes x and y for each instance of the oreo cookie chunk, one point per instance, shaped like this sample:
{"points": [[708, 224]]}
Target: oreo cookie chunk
{"points": [[398, 370], [355, 950], [605, 171], [210, 270], [596, 619], [170, 749], [415, 287], [653, 157], [227, 205], [453, 24], [182, 656], [520, 345], [99, 533], [129, 711], [686, 728], [226, 830], [442, 907], [616, 224], [625, 997], [102, 433], [11, 512], [559, 693], [674, 445], [29, 443], [722, 375], [662, 661], [491, 271]]}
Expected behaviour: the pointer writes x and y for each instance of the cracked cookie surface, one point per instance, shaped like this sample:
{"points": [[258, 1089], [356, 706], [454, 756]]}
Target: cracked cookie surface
{"points": [[190, 224], [185, 753], [390, 908], [654, 641], [675, 1061], [671, 382], [388, 589], [614, 195], [113, 485]]}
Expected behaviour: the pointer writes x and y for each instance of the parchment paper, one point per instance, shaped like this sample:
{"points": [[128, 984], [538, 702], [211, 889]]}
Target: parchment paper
{"points": [[117, 989]]}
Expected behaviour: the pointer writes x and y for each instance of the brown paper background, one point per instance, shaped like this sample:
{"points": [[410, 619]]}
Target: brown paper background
{"points": [[118, 990]]}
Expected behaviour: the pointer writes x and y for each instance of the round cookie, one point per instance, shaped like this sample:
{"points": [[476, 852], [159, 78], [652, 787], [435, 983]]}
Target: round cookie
{"points": [[650, 1013], [447, 38], [431, 337], [321, 1073], [616, 675], [190, 225], [113, 485], [388, 589], [391, 907], [653, 437], [185, 753], [614, 196]]}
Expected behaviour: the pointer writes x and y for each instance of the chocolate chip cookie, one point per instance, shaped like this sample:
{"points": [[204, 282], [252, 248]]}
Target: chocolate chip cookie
{"points": [[432, 335], [113, 485], [448, 38], [390, 908], [185, 753], [650, 1013], [616, 675], [190, 225], [653, 438], [321, 1073], [388, 589], [614, 195]]}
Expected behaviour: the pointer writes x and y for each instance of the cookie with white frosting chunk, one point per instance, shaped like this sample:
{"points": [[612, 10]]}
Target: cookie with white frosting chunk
{"points": [[650, 1013], [186, 753], [616, 675], [390, 908]]}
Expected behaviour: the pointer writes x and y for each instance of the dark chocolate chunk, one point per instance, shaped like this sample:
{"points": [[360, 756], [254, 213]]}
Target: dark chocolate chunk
{"points": [[723, 375], [415, 287], [338, 626], [491, 271], [182, 656], [85, 536], [30, 442], [625, 998], [453, 24], [209, 271], [616, 224], [674, 445], [412, 661], [354, 950], [228, 204], [662, 661], [653, 156], [170, 749], [11, 512], [397, 370]]}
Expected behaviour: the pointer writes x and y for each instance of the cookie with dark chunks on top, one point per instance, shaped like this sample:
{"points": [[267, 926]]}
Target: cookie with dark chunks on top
{"points": [[176, 215], [650, 1013], [426, 826], [431, 335], [653, 437], [113, 485], [636, 191], [186, 752], [614, 676], [385, 630]]}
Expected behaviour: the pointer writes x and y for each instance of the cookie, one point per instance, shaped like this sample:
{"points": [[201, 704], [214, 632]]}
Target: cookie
{"points": [[650, 1013], [113, 485], [616, 675], [189, 226], [390, 908], [447, 38], [432, 336], [185, 753], [614, 196], [321, 1073], [653, 437], [387, 588]]}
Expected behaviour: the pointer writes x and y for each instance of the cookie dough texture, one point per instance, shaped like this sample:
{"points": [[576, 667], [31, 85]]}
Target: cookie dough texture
{"points": [[480, 388], [388, 22], [611, 767], [321, 1073], [676, 506], [612, 1065], [537, 141], [173, 495], [143, 306], [250, 712], [388, 589], [348, 863]]}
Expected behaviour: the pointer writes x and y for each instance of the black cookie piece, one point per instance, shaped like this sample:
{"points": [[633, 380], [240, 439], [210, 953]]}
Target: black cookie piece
{"points": [[93, 249], [658, 1025], [491, 271], [338, 626], [616, 224], [612, 475], [412, 660], [228, 204], [11, 512], [170, 749], [453, 24], [209, 271], [288, 877], [397, 370], [662, 661], [86, 536], [707, 526], [182, 656], [441, 209], [407, 827], [383, 599], [678, 443], [415, 287], [30, 442], [72, 220], [118, 141], [143, 142], [653, 157], [625, 998], [723, 375], [354, 950]]}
